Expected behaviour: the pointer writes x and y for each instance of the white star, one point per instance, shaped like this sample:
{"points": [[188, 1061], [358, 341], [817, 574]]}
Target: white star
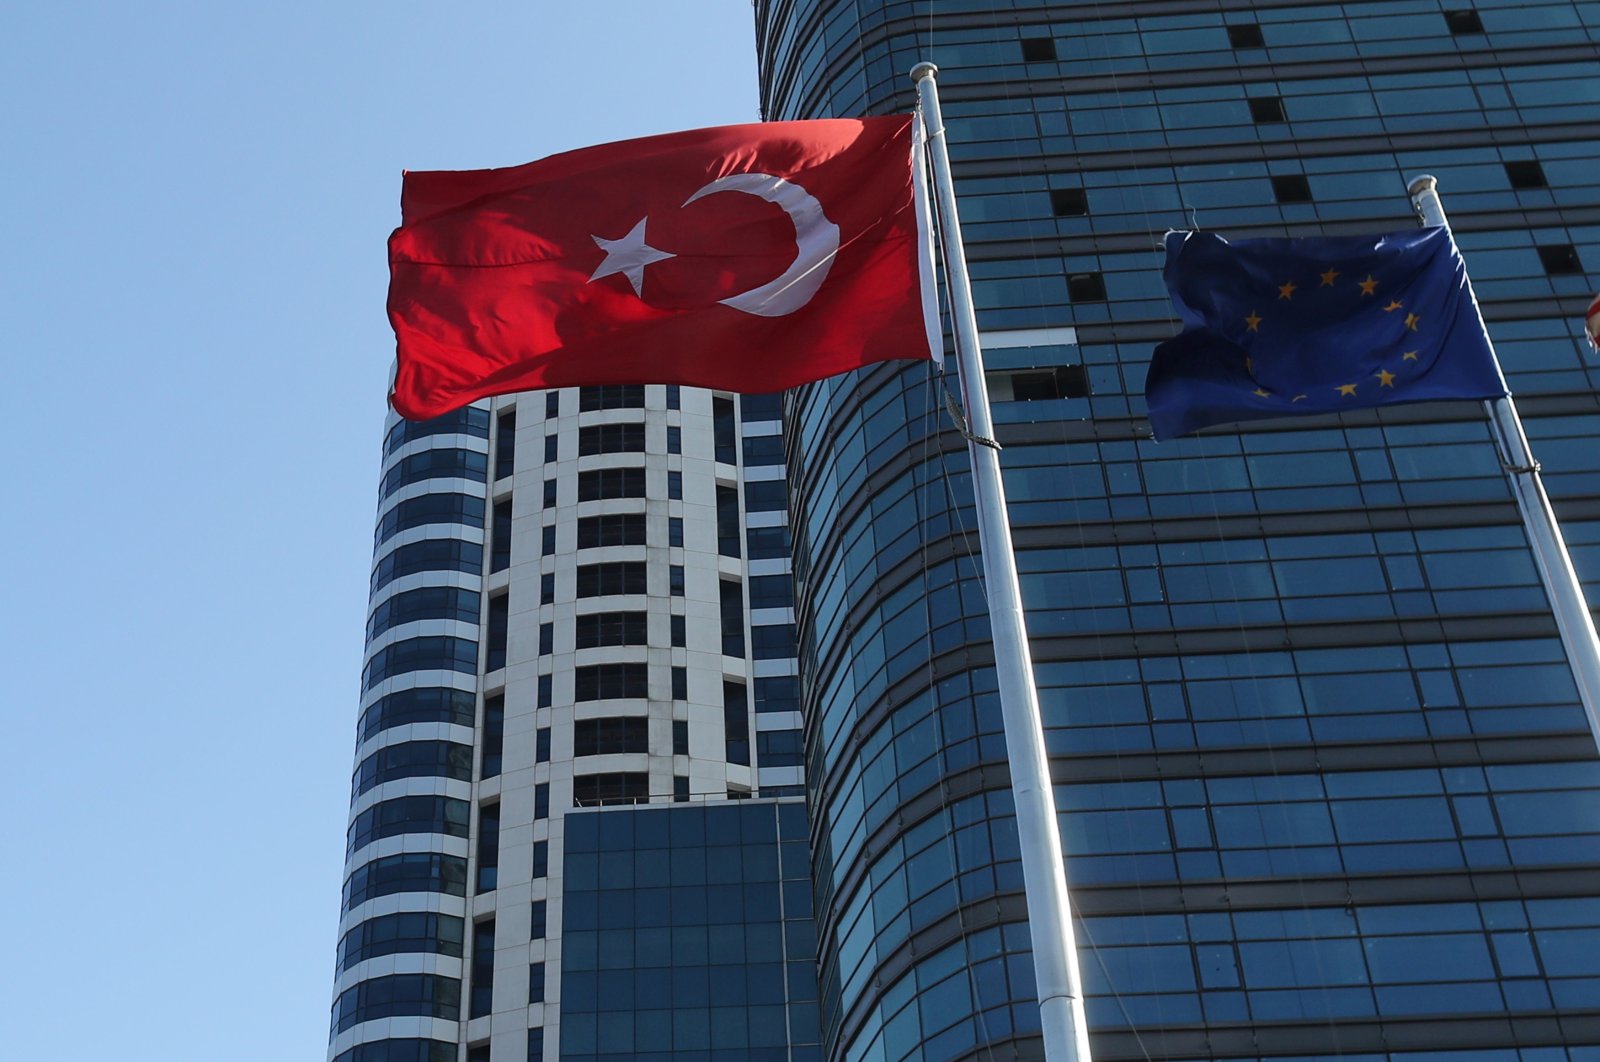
{"points": [[628, 256]]}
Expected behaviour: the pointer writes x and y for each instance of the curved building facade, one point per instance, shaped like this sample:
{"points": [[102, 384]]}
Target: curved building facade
{"points": [[404, 916], [580, 600], [1324, 782]]}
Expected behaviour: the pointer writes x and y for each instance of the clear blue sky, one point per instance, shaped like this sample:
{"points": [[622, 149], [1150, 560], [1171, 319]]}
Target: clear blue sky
{"points": [[196, 198]]}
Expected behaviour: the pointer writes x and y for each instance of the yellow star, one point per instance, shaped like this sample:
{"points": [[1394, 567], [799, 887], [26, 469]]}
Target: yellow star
{"points": [[1327, 278], [1409, 355], [1369, 286], [1286, 289], [1393, 306], [1385, 378], [1348, 390], [1412, 320], [1262, 393], [1253, 321], [1297, 398]]}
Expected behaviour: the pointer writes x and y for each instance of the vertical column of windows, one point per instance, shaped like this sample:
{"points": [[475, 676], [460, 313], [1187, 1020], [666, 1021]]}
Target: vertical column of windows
{"points": [[481, 999], [728, 521], [494, 736], [505, 444], [544, 687], [500, 537], [724, 431], [536, 983], [488, 847], [499, 624], [736, 722], [732, 604], [778, 751]]}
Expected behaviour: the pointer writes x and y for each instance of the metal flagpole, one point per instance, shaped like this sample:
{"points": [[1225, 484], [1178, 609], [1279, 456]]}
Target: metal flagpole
{"points": [[1055, 955], [1573, 618]]}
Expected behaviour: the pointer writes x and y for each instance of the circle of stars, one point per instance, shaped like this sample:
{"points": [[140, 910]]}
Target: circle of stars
{"points": [[1368, 289]]}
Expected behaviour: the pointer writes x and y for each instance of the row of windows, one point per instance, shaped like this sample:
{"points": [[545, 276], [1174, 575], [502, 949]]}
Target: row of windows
{"points": [[425, 932], [611, 529], [424, 704], [1102, 48], [430, 555], [424, 603], [611, 628], [426, 509], [618, 734], [780, 748], [428, 653], [436, 464], [1455, 570], [407, 872], [1416, 692], [619, 529], [413, 759], [610, 439], [713, 826], [597, 682], [1358, 961], [614, 577], [407, 814], [1239, 190], [1363, 822], [612, 396], [400, 1050], [469, 420], [763, 450], [601, 483], [594, 790], [398, 995]]}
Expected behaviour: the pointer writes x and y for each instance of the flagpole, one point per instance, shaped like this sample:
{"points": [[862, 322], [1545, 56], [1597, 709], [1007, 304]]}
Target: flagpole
{"points": [[1573, 618], [1055, 956]]}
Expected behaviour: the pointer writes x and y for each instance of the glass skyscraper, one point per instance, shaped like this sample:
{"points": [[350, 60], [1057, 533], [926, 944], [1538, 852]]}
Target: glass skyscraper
{"points": [[1324, 783]]}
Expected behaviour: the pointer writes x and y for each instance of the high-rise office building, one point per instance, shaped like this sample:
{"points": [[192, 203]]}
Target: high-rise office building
{"points": [[580, 643], [1324, 782]]}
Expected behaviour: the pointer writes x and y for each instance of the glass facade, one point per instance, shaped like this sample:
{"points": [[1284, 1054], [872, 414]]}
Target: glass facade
{"points": [[688, 935], [1324, 783]]}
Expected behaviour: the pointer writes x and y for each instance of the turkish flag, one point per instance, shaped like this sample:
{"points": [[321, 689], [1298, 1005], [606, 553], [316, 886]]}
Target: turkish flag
{"points": [[743, 258]]}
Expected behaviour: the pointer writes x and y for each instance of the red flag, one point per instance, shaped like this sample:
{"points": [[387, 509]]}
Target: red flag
{"points": [[744, 258]]}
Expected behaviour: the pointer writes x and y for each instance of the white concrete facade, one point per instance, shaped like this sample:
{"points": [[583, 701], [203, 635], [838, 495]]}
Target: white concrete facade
{"points": [[538, 689]]}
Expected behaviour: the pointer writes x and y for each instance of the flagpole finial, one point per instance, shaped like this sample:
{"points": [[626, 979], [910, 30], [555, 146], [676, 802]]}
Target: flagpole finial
{"points": [[1424, 192], [923, 70]]}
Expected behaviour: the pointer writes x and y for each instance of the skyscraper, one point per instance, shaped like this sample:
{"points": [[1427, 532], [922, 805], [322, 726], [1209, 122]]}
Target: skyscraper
{"points": [[1324, 783], [580, 611]]}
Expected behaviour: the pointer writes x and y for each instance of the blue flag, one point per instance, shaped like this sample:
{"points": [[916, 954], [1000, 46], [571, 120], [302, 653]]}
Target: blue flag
{"points": [[1276, 328]]}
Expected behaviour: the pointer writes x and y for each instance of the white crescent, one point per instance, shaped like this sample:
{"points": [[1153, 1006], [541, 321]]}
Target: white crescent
{"points": [[816, 237]]}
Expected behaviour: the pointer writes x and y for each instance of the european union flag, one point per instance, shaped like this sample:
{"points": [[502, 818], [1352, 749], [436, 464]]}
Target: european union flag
{"points": [[1275, 328]]}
